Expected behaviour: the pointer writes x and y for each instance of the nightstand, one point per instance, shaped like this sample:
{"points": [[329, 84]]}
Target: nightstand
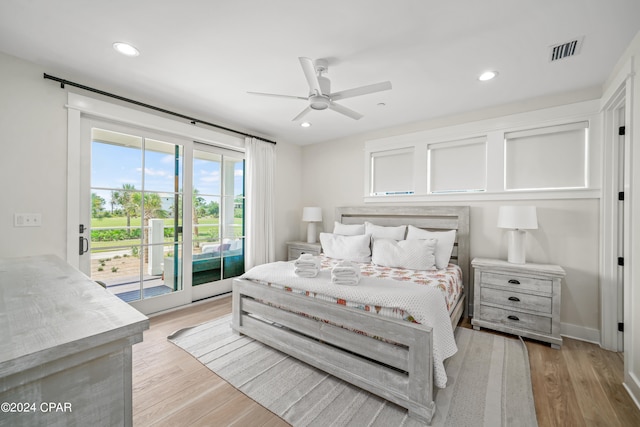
{"points": [[295, 249], [520, 299]]}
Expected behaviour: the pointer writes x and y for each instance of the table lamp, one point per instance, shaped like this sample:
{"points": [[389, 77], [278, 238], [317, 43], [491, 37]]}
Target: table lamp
{"points": [[517, 219], [311, 215]]}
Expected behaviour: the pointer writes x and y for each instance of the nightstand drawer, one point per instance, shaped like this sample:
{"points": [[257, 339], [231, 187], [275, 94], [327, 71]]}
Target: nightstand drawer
{"points": [[515, 300], [295, 249], [516, 319], [516, 282], [294, 253]]}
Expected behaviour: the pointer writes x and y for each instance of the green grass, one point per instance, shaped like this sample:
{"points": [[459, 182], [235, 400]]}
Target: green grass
{"points": [[208, 224], [121, 222]]}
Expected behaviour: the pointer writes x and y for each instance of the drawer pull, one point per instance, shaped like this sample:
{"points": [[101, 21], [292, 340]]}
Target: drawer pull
{"points": [[516, 299], [513, 317], [514, 282]]}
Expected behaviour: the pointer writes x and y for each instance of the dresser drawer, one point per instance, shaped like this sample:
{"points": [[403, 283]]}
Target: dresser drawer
{"points": [[516, 282], [515, 300], [516, 319]]}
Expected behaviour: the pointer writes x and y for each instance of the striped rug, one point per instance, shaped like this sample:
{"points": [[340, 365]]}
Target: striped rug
{"points": [[489, 382]]}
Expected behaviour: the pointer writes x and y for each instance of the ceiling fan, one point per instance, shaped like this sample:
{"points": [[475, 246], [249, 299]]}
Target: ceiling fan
{"points": [[320, 96]]}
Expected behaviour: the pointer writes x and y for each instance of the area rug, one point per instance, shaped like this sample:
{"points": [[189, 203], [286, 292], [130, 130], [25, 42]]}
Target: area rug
{"points": [[488, 382]]}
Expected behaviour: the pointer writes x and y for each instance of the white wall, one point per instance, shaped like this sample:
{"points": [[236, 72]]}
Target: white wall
{"points": [[33, 159], [33, 163], [334, 173]]}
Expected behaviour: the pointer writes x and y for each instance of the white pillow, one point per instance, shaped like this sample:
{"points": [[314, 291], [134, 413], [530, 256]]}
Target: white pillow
{"points": [[412, 254], [348, 229], [381, 232], [444, 246], [351, 248]]}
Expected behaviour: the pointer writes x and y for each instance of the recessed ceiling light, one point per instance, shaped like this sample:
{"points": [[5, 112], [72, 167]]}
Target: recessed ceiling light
{"points": [[487, 75], [305, 124], [126, 49]]}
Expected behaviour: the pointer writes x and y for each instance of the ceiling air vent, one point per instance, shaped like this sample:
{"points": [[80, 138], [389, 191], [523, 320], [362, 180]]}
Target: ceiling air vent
{"points": [[564, 50]]}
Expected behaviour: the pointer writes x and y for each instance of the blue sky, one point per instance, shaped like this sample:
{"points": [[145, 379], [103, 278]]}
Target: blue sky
{"points": [[115, 165]]}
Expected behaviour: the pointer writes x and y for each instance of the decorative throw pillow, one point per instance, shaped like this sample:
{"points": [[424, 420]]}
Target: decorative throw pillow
{"points": [[351, 248], [348, 229], [382, 232], [412, 254], [444, 246]]}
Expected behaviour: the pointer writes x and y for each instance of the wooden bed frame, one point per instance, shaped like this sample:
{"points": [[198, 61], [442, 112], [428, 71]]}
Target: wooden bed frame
{"points": [[403, 373]]}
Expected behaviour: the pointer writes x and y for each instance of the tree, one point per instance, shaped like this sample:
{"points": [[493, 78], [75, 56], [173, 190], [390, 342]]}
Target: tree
{"points": [[97, 206], [198, 210], [213, 209], [152, 208], [125, 198]]}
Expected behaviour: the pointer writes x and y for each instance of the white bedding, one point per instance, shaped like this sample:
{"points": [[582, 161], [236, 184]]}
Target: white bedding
{"points": [[426, 304]]}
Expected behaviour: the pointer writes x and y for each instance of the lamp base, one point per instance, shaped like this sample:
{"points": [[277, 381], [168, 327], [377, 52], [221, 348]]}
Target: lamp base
{"points": [[516, 254], [311, 232]]}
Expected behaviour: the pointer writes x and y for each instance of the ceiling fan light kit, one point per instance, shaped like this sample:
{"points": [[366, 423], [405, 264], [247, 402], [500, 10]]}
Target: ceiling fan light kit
{"points": [[320, 96]]}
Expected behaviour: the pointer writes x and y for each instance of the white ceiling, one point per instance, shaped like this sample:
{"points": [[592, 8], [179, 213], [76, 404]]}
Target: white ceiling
{"points": [[200, 57]]}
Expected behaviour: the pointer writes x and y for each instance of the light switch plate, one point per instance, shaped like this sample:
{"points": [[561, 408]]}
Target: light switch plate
{"points": [[27, 220]]}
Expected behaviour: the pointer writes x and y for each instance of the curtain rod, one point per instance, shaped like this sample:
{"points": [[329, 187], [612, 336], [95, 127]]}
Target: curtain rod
{"points": [[193, 121]]}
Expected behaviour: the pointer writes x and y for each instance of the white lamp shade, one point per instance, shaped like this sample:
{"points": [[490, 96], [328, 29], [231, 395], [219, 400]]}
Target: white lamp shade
{"points": [[313, 214], [518, 217]]}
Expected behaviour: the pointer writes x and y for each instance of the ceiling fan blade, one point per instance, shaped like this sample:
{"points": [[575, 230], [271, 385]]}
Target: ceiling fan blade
{"points": [[277, 95], [344, 110], [310, 73], [302, 114], [362, 90]]}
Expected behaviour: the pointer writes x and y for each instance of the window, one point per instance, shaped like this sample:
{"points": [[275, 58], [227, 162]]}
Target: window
{"points": [[457, 166], [547, 158], [392, 172], [540, 154]]}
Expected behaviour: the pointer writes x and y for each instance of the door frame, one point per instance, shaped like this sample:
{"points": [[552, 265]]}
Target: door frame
{"points": [[611, 312], [80, 107]]}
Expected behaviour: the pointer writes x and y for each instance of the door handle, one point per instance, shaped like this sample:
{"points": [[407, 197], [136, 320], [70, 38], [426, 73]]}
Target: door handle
{"points": [[84, 245], [516, 299], [513, 317]]}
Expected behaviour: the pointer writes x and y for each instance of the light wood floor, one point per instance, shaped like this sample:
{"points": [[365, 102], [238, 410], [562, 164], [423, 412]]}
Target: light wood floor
{"points": [[579, 385]]}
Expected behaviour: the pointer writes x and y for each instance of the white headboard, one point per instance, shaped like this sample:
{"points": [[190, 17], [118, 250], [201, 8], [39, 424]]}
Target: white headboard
{"points": [[427, 217]]}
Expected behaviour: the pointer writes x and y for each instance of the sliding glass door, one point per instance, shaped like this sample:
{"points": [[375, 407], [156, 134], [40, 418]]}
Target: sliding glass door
{"points": [[217, 219], [162, 218], [135, 229]]}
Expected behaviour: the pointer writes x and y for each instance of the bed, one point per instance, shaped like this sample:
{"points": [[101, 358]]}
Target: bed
{"points": [[392, 358]]}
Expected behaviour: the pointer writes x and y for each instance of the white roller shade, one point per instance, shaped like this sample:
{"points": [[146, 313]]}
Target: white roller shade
{"points": [[392, 172], [547, 158], [459, 166]]}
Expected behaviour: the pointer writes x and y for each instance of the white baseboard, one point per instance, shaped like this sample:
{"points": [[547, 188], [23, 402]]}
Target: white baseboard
{"points": [[581, 333], [632, 385]]}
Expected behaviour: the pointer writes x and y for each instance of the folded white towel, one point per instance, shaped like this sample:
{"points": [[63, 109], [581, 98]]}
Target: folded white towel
{"points": [[351, 281], [345, 273], [307, 261], [306, 265], [306, 272]]}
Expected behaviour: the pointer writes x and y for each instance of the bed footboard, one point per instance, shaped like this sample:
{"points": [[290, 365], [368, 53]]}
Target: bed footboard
{"points": [[401, 373]]}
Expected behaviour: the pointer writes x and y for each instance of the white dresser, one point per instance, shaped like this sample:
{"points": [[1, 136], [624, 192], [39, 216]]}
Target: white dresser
{"points": [[65, 347], [520, 299]]}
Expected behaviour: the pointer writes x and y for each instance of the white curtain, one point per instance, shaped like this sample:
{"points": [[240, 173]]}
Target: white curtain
{"points": [[259, 182]]}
